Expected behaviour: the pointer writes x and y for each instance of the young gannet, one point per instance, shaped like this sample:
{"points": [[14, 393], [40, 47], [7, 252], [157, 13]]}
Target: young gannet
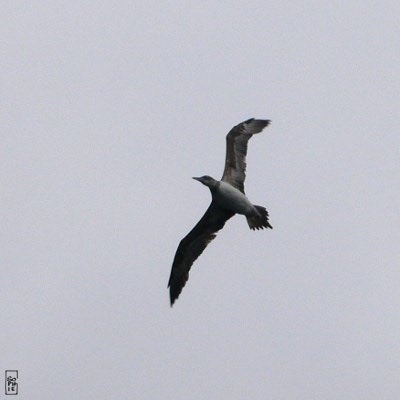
{"points": [[228, 199]]}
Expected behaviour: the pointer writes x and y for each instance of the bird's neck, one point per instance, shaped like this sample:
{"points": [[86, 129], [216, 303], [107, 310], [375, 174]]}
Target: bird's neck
{"points": [[214, 188]]}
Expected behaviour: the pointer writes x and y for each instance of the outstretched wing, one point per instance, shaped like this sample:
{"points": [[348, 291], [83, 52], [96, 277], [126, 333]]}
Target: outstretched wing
{"points": [[193, 244], [236, 150]]}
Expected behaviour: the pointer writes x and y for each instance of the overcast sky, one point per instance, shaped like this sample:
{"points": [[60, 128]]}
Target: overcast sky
{"points": [[107, 110]]}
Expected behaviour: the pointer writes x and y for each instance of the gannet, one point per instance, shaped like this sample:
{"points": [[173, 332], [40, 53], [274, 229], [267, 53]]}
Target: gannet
{"points": [[228, 199]]}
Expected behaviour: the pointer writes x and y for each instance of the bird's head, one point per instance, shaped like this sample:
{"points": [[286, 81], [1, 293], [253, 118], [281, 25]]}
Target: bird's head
{"points": [[207, 180]]}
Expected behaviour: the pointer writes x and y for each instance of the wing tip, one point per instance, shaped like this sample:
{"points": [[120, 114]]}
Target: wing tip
{"points": [[173, 296], [258, 123], [176, 287]]}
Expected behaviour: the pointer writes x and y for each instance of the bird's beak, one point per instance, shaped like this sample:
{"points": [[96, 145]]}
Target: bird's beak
{"points": [[197, 179]]}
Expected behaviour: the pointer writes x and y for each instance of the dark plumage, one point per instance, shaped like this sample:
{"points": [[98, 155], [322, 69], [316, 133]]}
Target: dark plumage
{"points": [[228, 199]]}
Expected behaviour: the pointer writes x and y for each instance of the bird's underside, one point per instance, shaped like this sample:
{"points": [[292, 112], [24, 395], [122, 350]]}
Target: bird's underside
{"points": [[214, 219]]}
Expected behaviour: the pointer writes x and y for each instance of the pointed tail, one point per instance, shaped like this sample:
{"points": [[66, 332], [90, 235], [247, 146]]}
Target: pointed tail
{"points": [[259, 219]]}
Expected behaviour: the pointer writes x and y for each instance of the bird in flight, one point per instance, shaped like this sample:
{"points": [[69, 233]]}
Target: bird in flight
{"points": [[228, 199]]}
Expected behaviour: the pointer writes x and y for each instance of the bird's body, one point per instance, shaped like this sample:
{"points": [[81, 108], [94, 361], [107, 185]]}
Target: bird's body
{"points": [[228, 199], [227, 196]]}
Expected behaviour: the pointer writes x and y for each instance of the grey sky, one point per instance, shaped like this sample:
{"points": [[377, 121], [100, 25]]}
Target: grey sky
{"points": [[107, 110]]}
